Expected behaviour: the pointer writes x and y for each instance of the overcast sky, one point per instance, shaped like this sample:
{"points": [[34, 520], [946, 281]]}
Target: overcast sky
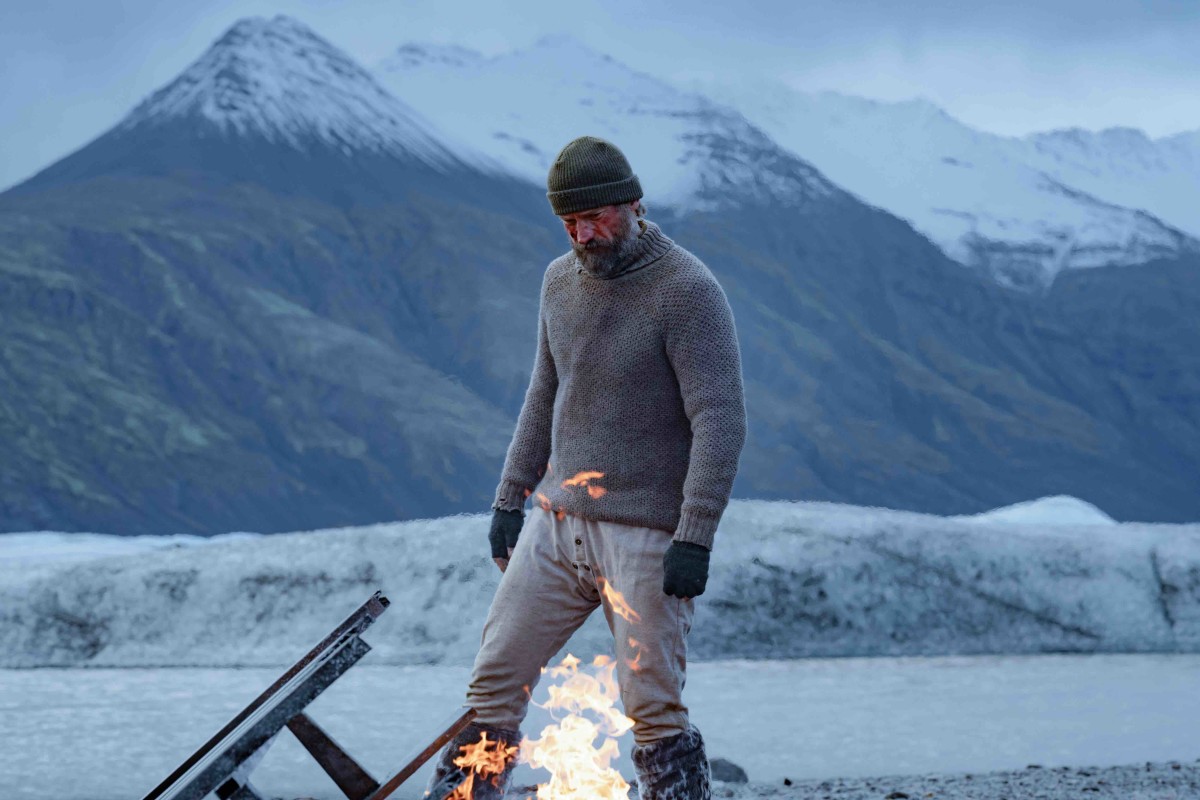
{"points": [[70, 70]]}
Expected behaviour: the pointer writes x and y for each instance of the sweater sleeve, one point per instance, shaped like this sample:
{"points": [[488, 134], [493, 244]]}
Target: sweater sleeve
{"points": [[529, 451], [702, 345]]}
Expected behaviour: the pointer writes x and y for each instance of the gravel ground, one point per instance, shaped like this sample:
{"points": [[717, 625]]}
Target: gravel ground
{"points": [[1149, 781], [1171, 780]]}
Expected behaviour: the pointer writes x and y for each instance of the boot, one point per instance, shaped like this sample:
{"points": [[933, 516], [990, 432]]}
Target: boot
{"points": [[486, 771], [675, 768]]}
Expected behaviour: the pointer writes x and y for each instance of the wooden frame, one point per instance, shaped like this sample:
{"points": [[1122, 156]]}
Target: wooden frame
{"points": [[223, 764]]}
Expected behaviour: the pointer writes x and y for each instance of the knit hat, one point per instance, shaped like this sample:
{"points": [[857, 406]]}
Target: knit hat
{"points": [[589, 173]]}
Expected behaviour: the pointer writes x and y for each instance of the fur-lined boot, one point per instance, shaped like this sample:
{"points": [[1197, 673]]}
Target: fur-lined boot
{"points": [[673, 769], [476, 764]]}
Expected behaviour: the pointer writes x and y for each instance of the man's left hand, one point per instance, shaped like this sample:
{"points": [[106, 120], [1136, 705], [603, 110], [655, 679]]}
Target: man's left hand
{"points": [[685, 570]]}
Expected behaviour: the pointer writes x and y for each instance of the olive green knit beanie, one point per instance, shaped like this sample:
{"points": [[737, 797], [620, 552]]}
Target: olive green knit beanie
{"points": [[589, 173]]}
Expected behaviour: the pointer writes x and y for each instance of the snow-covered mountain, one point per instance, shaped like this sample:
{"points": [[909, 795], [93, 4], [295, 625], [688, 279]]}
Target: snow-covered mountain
{"points": [[279, 80], [1124, 165], [788, 580], [522, 107], [273, 103], [1022, 209]]}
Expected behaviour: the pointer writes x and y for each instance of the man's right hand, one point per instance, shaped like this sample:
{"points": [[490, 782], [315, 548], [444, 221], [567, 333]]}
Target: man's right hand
{"points": [[506, 528]]}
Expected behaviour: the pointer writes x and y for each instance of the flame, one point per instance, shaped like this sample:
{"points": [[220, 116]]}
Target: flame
{"points": [[635, 663], [585, 479], [578, 769], [582, 478], [617, 600], [485, 759], [583, 701]]}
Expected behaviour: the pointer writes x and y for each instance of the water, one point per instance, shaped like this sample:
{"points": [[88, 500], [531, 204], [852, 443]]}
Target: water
{"points": [[103, 734]]}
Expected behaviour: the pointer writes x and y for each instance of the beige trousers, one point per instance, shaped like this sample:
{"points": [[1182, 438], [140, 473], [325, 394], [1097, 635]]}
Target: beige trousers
{"points": [[553, 582]]}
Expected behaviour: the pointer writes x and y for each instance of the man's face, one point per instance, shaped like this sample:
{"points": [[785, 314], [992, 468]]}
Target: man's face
{"points": [[602, 237]]}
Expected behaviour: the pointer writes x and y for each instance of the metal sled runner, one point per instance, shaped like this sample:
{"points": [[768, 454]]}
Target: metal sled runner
{"points": [[223, 764]]}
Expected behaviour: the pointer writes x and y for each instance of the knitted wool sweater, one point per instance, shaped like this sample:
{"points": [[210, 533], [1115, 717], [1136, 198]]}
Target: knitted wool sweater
{"points": [[635, 411]]}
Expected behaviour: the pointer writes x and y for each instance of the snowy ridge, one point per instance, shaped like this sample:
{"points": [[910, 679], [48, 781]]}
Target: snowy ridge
{"points": [[1124, 165], [1057, 510], [521, 108], [1023, 209], [278, 80], [788, 580]]}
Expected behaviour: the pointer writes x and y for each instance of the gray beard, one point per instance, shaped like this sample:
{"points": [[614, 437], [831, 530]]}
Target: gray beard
{"points": [[603, 260]]}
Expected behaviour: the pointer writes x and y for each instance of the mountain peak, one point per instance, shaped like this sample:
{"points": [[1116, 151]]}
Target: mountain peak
{"points": [[278, 80], [280, 24]]}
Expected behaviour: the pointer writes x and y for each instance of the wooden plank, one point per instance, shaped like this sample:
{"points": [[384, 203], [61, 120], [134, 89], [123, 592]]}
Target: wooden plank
{"points": [[232, 790], [354, 781], [416, 760]]}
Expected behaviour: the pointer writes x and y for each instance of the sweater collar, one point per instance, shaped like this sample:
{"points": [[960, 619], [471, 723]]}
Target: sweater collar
{"points": [[652, 244]]}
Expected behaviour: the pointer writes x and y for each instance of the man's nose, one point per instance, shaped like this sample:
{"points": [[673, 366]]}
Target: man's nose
{"points": [[584, 232]]}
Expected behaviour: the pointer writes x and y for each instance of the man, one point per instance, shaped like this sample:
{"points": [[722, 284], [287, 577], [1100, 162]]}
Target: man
{"points": [[629, 439]]}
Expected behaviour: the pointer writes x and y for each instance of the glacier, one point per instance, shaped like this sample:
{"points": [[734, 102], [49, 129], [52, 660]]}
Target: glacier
{"points": [[788, 580]]}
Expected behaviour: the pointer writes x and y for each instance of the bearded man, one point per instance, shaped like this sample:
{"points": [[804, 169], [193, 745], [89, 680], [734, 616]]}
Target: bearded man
{"points": [[630, 437]]}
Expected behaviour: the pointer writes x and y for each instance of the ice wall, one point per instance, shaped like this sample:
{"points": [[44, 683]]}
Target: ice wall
{"points": [[788, 580]]}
